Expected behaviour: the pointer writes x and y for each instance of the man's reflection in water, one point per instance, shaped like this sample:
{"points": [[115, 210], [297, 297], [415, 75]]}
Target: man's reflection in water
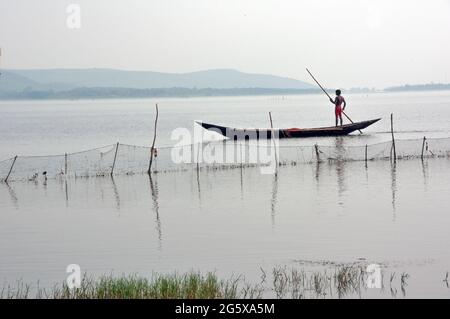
{"points": [[340, 163]]}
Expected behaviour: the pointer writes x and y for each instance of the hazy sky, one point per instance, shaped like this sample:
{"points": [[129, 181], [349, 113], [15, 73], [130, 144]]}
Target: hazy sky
{"points": [[346, 43]]}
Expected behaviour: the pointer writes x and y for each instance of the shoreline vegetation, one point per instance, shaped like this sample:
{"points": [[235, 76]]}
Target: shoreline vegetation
{"points": [[419, 87], [182, 92], [125, 93], [282, 282]]}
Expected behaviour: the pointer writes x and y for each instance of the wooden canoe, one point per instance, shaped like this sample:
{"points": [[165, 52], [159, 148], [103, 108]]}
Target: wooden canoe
{"points": [[251, 133]]}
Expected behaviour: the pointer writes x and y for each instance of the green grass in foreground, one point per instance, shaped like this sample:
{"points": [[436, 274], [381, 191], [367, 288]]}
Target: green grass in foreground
{"points": [[344, 281], [187, 286]]}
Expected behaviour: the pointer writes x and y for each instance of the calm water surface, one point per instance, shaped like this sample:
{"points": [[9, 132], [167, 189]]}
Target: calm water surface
{"points": [[230, 221]]}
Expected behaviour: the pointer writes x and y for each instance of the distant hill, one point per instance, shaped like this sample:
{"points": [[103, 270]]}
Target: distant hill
{"points": [[14, 82], [64, 79]]}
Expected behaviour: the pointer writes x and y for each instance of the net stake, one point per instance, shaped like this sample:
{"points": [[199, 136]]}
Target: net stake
{"points": [[423, 147], [393, 138], [10, 170], [115, 156], [273, 139], [153, 143]]}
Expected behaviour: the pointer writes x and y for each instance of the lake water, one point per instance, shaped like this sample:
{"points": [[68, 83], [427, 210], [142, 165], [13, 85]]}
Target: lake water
{"points": [[58, 127], [229, 221]]}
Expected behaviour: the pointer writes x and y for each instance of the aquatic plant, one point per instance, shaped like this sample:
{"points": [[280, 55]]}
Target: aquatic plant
{"points": [[294, 283]]}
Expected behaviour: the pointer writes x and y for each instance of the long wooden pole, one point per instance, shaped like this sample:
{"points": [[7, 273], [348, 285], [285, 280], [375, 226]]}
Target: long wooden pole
{"points": [[318, 83], [348, 118], [153, 143]]}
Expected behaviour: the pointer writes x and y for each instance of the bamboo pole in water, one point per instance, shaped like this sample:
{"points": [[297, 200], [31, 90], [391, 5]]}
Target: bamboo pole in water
{"points": [[423, 147], [115, 157], [393, 138], [273, 139], [316, 148], [10, 170], [152, 150]]}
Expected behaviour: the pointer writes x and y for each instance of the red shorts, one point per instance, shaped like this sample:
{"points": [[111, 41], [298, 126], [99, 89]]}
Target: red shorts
{"points": [[338, 111]]}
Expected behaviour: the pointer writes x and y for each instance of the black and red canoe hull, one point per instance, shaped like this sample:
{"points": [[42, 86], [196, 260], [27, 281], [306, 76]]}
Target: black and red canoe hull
{"points": [[241, 133]]}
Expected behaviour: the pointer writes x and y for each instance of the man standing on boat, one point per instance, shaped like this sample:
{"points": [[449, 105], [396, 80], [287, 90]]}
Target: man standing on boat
{"points": [[340, 105]]}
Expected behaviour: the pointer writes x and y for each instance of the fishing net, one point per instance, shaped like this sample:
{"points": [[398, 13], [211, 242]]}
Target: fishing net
{"points": [[126, 159]]}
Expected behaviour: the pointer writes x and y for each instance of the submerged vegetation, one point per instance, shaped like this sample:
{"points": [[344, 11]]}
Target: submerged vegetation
{"points": [[281, 282]]}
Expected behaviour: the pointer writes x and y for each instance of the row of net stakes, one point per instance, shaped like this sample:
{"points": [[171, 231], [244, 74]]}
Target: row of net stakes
{"points": [[66, 163], [424, 148]]}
